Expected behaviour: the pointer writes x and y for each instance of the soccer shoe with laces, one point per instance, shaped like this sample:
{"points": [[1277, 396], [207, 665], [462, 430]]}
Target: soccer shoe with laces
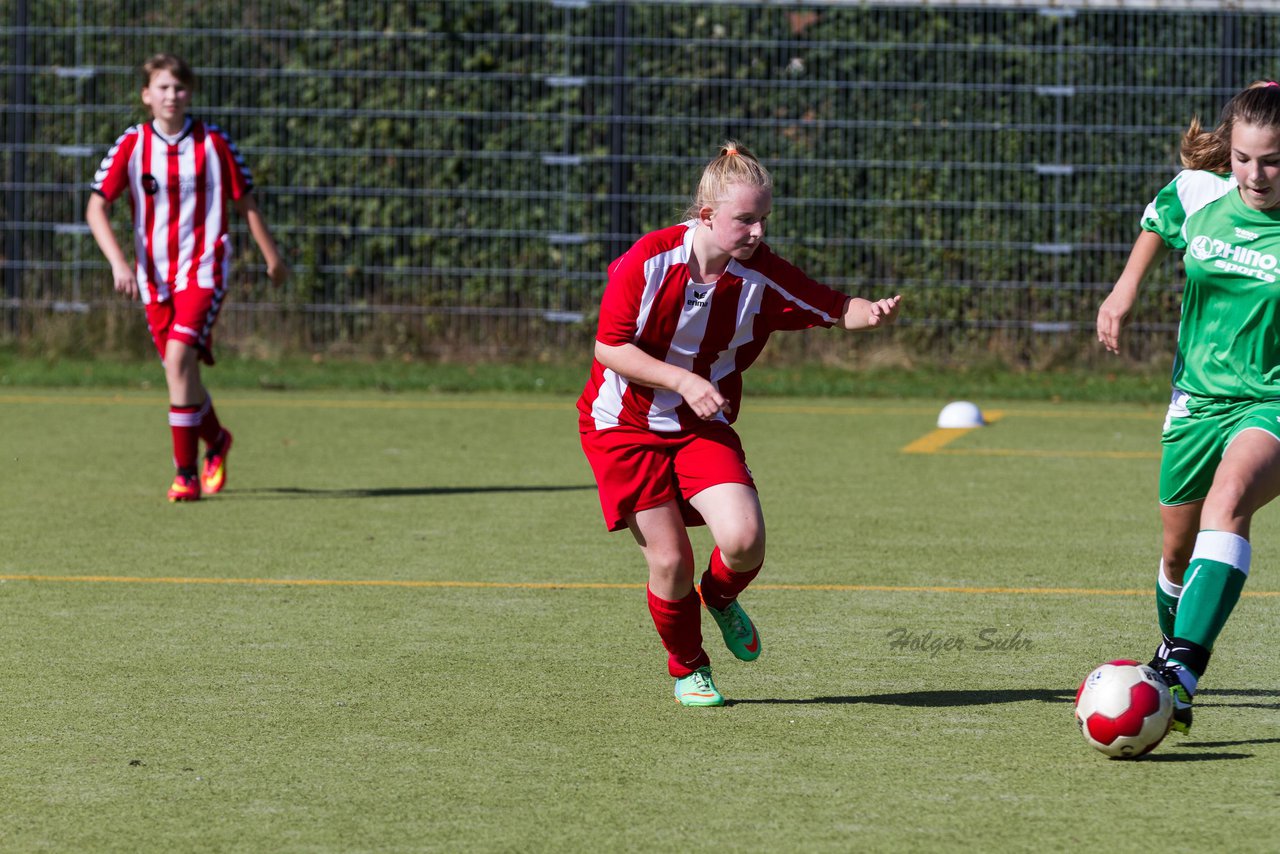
{"points": [[214, 476], [697, 689], [739, 633], [1161, 656], [1181, 699], [184, 488]]}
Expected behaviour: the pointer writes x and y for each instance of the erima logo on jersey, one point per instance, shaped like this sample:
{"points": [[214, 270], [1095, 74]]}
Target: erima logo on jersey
{"points": [[1242, 234], [698, 300], [1230, 258]]}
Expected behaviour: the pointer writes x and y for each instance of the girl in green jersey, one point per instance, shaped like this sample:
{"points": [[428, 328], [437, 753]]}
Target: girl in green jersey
{"points": [[1221, 443]]}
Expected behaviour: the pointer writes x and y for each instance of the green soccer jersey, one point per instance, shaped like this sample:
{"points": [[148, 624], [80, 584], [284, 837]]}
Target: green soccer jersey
{"points": [[1228, 338]]}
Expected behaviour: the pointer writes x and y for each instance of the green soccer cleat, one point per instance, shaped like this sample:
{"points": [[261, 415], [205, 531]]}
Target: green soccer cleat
{"points": [[739, 633], [1181, 700], [697, 689]]}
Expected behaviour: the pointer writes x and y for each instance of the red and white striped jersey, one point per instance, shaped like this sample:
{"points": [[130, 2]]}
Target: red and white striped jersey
{"points": [[179, 189], [715, 330]]}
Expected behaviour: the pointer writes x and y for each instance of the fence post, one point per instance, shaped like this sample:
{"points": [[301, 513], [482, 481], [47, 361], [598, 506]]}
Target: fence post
{"points": [[15, 201], [620, 172]]}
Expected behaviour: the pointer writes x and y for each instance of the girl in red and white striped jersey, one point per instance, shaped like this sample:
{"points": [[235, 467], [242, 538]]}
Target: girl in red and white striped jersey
{"points": [[686, 310], [180, 174]]}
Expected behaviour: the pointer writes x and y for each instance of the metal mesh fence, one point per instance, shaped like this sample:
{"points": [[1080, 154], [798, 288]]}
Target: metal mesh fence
{"points": [[454, 175]]}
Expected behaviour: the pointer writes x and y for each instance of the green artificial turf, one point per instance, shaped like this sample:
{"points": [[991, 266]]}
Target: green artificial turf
{"points": [[403, 627], [1116, 381]]}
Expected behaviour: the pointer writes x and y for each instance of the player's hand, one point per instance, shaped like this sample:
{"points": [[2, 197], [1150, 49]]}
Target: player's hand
{"points": [[278, 272], [883, 312], [1112, 317], [125, 280], [703, 398]]}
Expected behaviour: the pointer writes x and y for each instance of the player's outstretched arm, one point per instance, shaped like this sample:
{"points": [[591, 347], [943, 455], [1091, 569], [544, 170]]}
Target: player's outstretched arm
{"points": [[277, 269], [861, 313], [1148, 250], [637, 366], [98, 216]]}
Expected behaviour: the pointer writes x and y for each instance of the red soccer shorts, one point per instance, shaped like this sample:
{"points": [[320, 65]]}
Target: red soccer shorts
{"points": [[641, 469], [187, 316]]}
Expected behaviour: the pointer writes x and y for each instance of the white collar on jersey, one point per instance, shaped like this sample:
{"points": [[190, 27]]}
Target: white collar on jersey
{"points": [[173, 140]]}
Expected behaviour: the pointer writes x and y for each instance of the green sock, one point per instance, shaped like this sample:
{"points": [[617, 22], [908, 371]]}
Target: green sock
{"points": [[1210, 589], [1209, 592], [1167, 596]]}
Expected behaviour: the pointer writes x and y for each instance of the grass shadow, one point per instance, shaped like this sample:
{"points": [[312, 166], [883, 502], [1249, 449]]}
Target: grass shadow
{"points": [[930, 699], [1221, 697], [988, 698], [1239, 743], [269, 492], [1157, 756]]}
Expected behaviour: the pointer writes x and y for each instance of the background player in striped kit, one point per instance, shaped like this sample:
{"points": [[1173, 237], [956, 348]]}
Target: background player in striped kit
{"points": [[179, 174], [1221, 444], [686, 310]]}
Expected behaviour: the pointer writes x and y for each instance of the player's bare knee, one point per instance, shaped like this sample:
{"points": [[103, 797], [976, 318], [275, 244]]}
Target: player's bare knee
{"points": [[177, 371], [1175, 566], [1228, 502], [1176, 556], [669, 565], [744, 554], [670, 585]]}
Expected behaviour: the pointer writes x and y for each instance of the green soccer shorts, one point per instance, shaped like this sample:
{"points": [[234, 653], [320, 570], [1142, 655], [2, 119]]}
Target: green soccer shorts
{"points": [[1197, 431]]}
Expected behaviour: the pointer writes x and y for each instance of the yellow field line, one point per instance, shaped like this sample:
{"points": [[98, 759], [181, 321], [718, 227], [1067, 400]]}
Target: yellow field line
{"points": [[299, 402], [936, 442], [932, 443], [319, 582], [1012, 452], [555, 585], [325, 403], [564, 404], [1156, 414]]}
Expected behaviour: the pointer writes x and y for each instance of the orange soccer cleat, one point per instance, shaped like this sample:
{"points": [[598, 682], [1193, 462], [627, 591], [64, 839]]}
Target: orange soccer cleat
{"points": [[214, 476], [185, 488]]}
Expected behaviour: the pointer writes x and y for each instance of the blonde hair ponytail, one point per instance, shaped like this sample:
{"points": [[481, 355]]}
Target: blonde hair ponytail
{"points": [[734, 165]]}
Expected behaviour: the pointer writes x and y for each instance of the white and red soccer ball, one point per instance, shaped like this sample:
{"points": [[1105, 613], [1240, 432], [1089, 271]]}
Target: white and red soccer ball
{"points": [[1124, 709]]}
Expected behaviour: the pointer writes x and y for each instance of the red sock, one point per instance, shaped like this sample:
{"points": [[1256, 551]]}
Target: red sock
{"points": [[184, 423], [210, 426], [679, 625], [721, 585]]}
